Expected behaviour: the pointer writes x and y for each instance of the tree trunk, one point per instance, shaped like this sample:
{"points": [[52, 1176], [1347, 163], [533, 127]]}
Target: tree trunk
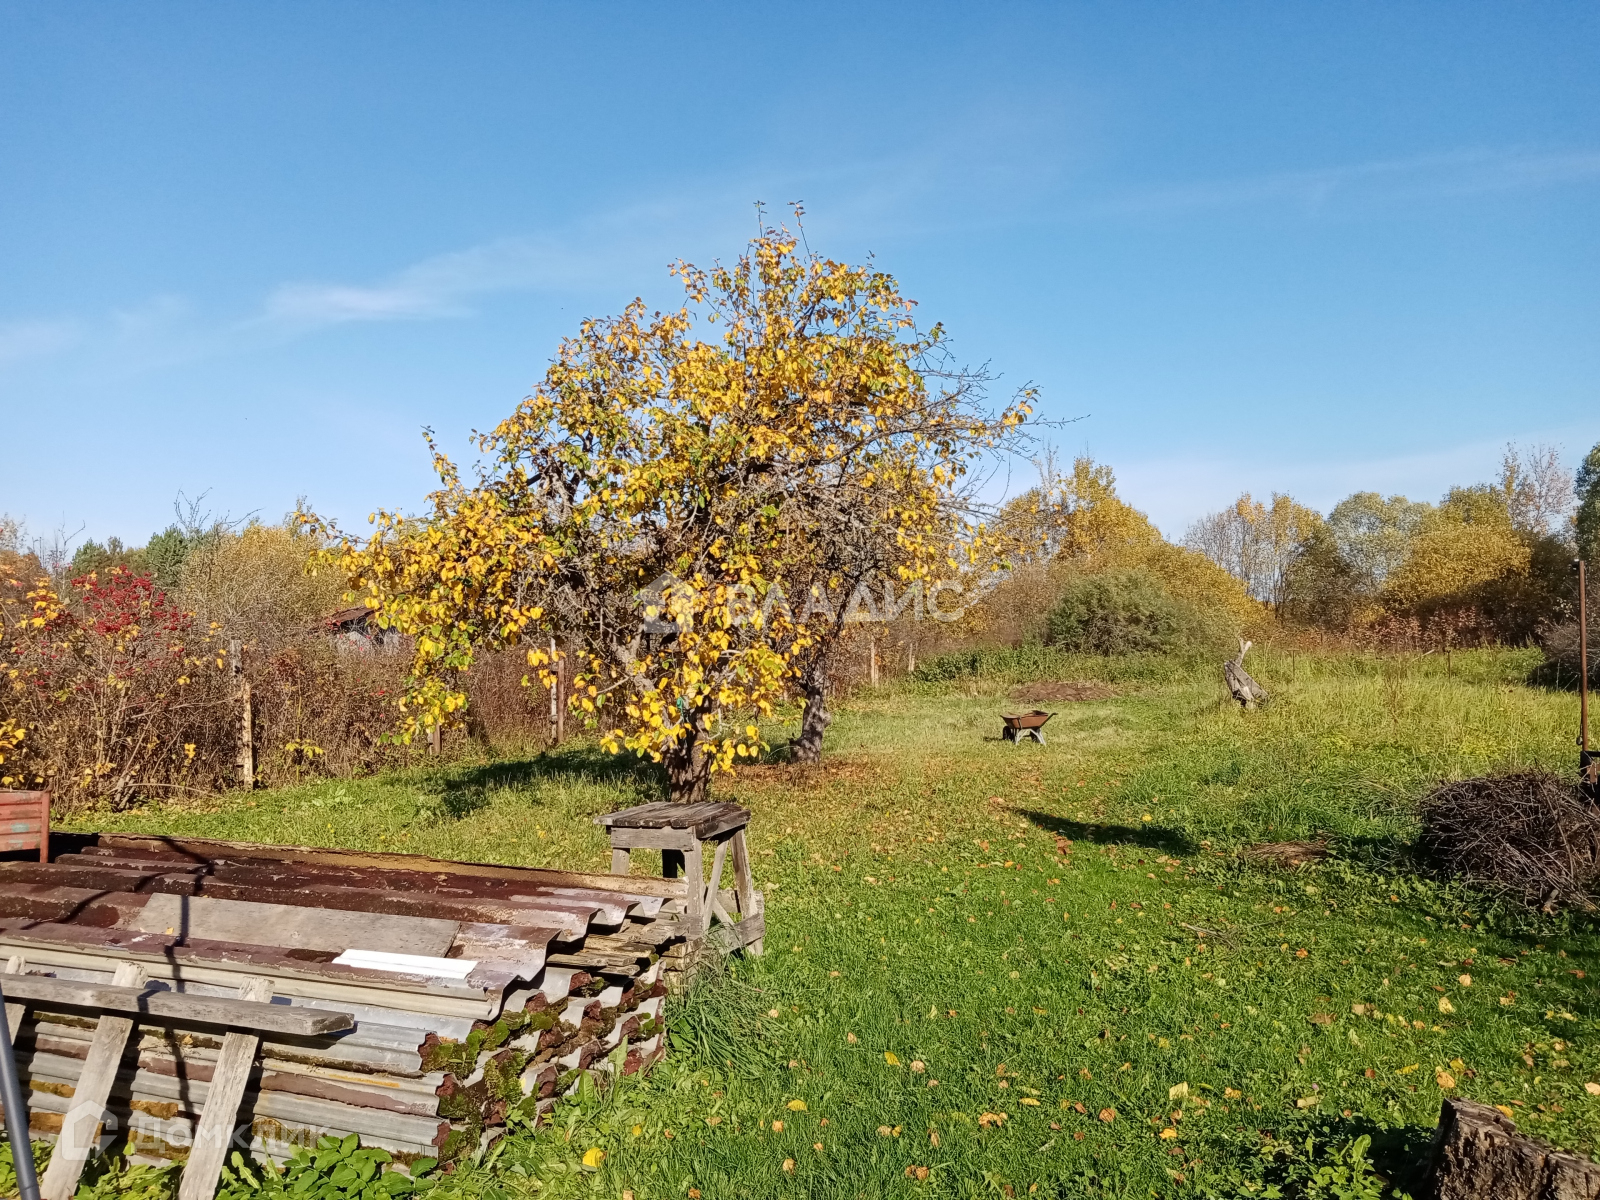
{"points": [[688, 772], [814, 721], [1478, 1154]]}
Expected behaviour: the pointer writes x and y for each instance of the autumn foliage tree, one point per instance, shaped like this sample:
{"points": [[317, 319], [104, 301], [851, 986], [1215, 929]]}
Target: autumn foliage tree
{"points": [[663, 504]]}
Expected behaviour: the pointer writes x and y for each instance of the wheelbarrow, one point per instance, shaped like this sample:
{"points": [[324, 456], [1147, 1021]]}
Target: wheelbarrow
{"points": [[1025, 725]]}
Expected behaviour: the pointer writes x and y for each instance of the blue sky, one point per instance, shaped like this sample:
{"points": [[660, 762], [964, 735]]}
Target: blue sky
{"points": [[251, 250]]}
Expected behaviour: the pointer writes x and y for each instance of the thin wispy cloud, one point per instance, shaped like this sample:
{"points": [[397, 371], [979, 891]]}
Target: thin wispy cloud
{"points": [[1462, 173], [602, 250], [628, 247], [434, 288], [35, 339]]}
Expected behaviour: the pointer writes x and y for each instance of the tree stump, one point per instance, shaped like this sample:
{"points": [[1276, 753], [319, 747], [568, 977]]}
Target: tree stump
{"points": [[1478, 1154], [1245, 690]]}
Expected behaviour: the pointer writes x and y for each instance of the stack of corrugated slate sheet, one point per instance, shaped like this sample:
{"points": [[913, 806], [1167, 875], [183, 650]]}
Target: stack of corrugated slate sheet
{"points": [[476, 990]]}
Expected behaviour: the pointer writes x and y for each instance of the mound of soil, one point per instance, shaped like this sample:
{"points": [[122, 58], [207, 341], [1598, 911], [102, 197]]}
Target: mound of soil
{"points": [[1035, 692], [1530, 835]]}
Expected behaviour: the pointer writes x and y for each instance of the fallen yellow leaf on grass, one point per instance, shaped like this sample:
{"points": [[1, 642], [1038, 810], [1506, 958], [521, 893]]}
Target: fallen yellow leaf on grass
{"points": [[1505, 1109], [788, 1165], [1178, 1091], [593, 1157], [1168, 1134], [797, 1106], [777, 1127], [1445, 1006], [1108, 1115], [1408, 1070], [1466, 981], [1030, 1101], [990, 1118], [1592, 1088], [1307, 1101], [890, 1058], [1229, 1093], [1444, 1079]]}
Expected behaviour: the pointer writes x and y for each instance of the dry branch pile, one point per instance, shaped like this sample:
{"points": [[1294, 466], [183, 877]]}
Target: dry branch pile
{"points": [[1286, 854], [1528, 835]]}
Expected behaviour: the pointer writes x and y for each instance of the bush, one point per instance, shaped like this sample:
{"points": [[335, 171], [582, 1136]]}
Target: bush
{"points": [[117, 689], [1119, 612], [110, 690]]}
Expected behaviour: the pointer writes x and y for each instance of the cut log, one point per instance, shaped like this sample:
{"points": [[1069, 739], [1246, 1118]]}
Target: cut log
{"points": [[1245, 690], [1478, 1154]]}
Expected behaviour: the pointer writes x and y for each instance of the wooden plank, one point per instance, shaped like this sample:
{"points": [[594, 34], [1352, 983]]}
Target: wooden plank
{"points": [[694, 918], [747, 933], [744, 887], [653, 838], [80, 1129], [338, 905], [208, 849], [178, 1006], [15, 965], [288, 925], [455, 889], [721, 824], [636, 817], [714, 884], [223, 963], [213, 1136], [619, 860]]}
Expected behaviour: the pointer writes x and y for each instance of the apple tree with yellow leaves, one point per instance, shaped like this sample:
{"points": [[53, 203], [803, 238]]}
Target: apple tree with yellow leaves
{"points": [[671, 494]]}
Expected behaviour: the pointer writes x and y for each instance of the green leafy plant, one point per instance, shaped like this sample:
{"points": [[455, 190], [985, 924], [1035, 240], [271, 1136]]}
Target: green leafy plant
{"points": [[337, 1169], [1333, 1172]]}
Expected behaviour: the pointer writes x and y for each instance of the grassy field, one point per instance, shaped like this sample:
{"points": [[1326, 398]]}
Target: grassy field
{"points": [[1046, 971]]}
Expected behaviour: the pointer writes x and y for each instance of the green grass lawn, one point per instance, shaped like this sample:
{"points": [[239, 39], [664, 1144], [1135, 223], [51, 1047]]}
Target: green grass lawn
{"points": [[1045, 970]]}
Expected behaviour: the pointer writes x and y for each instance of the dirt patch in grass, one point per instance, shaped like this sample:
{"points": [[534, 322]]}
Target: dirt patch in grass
{"points": [[832, 769], [1286, 854], [1065, 690]]}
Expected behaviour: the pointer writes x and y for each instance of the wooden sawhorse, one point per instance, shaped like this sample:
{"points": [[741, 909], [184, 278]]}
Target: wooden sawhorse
{"points": [[677, 830]]}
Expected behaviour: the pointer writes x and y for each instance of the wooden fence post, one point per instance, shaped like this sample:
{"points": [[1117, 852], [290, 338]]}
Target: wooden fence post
{"points": [[872, 661], [555, 688], [560, 697], [247, 743]]}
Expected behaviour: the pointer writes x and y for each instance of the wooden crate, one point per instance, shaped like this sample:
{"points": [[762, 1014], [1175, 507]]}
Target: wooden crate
{"points": [[25, 822]]}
